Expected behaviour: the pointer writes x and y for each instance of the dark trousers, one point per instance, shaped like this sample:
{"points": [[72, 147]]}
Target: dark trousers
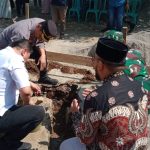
{"points": [[20, 7], [37, 2], [19, 121], [36, 55], [12, 4], [115, 17], [59, 16]]}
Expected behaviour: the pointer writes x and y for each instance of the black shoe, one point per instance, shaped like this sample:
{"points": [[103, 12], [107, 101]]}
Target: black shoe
{"points": [[104, 30], [16, 145], [131, 28], [62, 36], [47, 80], [24, 146]]}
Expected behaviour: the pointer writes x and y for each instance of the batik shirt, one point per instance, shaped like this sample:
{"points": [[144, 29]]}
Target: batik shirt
{"points": [[115, 115]]}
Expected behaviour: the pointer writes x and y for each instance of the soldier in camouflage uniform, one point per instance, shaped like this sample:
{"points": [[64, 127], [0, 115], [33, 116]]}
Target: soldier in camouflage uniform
{"points": [[135, 63]]}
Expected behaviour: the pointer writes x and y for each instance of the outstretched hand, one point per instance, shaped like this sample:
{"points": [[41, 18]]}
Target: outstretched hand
{"points": [[74, 106], [42, 62], [35, 88]]}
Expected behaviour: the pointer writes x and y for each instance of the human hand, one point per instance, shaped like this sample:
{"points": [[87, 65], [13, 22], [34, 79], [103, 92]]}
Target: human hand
{"points": [[42, 62], [86, 92], [74, 106], [31, 102], [35, 88]]}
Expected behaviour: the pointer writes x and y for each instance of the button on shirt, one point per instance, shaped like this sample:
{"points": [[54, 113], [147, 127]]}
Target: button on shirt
{"points": [[13, 76]]}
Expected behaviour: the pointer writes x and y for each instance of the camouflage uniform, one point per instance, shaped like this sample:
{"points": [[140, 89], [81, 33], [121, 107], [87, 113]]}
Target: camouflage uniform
{"points": [[135, 63]]}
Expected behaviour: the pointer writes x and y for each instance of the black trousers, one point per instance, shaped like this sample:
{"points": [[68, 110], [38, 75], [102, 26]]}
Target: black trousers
{"points": [[36, 55], [20, 7], [18, 121], [12, 4]]}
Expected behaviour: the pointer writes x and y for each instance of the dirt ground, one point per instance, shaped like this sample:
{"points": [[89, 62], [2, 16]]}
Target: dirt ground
{"points": [[80, 36]]}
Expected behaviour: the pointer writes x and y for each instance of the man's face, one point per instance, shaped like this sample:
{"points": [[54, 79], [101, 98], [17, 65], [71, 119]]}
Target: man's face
{"points": [[38, 32], [25, 54], [40, 35]]}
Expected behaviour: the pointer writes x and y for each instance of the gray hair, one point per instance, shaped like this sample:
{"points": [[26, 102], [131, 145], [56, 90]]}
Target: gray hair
{"points": [[23, 43]]}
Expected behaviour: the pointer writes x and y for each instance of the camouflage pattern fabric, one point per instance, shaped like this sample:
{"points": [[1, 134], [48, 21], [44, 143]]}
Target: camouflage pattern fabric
{"points": [[113, 34], [136, 68], [135, 64]]}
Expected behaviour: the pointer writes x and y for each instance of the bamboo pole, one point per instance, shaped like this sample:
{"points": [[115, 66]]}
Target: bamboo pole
{"points": [[26, 9], [125, 31]]}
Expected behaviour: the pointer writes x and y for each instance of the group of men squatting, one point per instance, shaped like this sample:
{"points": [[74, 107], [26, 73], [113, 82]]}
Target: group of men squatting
{"points": [[114, 115]]}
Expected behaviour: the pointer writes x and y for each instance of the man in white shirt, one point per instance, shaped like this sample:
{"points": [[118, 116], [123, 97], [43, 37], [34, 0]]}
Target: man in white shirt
{"points": [[17, 121]]}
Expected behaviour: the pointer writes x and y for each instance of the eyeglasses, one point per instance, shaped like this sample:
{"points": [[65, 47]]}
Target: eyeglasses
{"points": [[45, 38]]}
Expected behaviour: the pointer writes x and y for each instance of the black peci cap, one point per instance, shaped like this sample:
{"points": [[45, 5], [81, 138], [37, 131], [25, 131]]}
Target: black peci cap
{"points": [[49, 29], [111, 51]]}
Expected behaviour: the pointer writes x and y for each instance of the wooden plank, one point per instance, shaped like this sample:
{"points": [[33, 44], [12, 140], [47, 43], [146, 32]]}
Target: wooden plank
{"points": [[67, 58], [27, 9], [125, 31]]}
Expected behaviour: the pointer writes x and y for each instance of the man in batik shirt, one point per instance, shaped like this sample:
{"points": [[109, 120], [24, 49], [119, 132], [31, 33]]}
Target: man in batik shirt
{"points": [[135, 63], [115, 114]]}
